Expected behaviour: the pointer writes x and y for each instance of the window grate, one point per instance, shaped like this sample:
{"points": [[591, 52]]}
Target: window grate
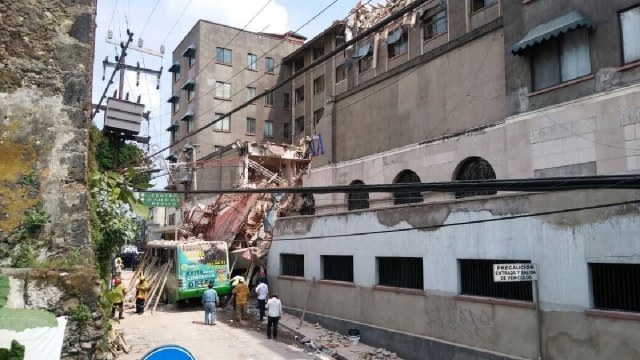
{"points": [[476, 278], [402, 272], [292, 265], [338, 268], [616, 286]]}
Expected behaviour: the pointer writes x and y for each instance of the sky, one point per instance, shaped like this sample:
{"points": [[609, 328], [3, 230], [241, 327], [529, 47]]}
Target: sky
{"points": [[279, 16]]}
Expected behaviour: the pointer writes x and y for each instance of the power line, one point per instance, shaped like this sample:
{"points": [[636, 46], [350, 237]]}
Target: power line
{"points": [[148, 19], [472, 222], [113, 14], [307, 68], [176, 23]]}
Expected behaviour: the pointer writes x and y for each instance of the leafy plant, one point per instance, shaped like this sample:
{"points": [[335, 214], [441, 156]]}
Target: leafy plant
{"points": [[80, 314], [16, 352], [36, 218], [25, 258], [29, 179], [22, 319]]}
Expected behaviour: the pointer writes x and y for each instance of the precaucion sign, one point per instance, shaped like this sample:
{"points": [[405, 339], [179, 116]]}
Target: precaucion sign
{"points": [[160, 200], [514, 272]]}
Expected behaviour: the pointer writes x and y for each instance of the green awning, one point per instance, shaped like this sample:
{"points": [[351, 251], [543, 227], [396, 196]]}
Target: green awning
{"points": [[174, 97], [552, 29], [189, 84], [190, 50], [175, 67], [173, 126], [189, 114]]}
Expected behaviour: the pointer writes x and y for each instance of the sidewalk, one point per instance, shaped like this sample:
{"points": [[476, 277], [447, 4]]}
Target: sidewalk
{"points": [[322, 336]]}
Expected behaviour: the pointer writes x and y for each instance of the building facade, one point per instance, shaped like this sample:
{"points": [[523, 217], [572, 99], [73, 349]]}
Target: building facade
{"points": [[210, 78], [468, 90]]}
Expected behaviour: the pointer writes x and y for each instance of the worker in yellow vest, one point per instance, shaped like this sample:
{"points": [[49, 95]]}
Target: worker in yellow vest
{"points": [[142, 290], [117, 298]]}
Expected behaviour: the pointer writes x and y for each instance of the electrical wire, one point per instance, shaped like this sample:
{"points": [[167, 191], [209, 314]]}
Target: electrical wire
{"points": [[148, 19], [176, 23]]}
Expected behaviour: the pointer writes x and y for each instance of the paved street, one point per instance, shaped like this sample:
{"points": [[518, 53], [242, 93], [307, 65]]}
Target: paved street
{"points": [[185, 327]]}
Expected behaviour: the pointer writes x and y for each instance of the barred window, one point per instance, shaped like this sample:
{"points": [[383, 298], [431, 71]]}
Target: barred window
{"points": [[338, 268], [616, 286], [402, 272], [476, 278], [292, 265]]}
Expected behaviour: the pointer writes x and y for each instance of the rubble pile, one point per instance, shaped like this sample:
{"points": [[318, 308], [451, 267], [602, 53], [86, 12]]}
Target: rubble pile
{"points": [[318, 348], [381, 354]]}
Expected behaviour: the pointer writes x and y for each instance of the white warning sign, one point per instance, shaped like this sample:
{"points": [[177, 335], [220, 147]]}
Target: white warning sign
{"points": [[514, 272]]}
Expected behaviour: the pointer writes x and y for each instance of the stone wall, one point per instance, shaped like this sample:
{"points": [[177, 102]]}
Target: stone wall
{"points": [[46, 61]]}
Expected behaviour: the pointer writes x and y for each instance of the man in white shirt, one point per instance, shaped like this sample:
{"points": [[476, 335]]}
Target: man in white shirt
{"points": [[262, 290], [275, 311]]}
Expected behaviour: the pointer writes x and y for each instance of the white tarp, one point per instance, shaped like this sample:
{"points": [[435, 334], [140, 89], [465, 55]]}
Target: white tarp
{"points": [[39, 343]]}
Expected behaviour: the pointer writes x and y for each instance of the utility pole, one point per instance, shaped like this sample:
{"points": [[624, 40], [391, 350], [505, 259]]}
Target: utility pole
{"points": [[117, 138]]}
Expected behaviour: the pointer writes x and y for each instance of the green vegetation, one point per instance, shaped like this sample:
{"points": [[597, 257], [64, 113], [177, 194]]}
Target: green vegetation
{"points": [[29, 179], [26, 257], [15, 353], [36, 218], [80, 314]]}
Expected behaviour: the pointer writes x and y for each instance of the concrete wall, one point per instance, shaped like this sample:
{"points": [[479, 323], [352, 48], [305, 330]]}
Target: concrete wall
{"points": [[562, 245], [207, 36], [594, 135], [604, 46]]}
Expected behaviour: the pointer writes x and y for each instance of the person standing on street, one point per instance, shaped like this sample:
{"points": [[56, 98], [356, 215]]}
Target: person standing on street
{"points": [[234, 282], [262, 290], [242, 296], [141, 294], [275, 311], [210, 301], [117, 298], [118, 267]]}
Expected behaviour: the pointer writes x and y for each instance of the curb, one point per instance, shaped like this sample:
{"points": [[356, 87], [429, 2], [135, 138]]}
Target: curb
{"points": [[302, 336]]}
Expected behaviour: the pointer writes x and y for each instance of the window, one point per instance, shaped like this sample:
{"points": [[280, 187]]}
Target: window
{"points": [[476, 279], [317, 115], [341, 73], [407, 177], [299, 94], [176, 106], [402, 272], [340, 39], [287, 100], [223, 55], [481, 4], [191, 93], [630, 28], [475, 168], [300, 125], [434, 25], [292, 265], [176, 75], [615, 286], [192, 58], [268, 128], [298, 65], [397, 42], [174, 135], [357, 200], [223, 90], [269, 65], [252, 62], [318, 85], [365, 63], [251, 93], [561, 59], [308, 204], [224, 124], [268, 99], [287, 131], [318, 52], [338, 268], [190, 124], [251, 126]]}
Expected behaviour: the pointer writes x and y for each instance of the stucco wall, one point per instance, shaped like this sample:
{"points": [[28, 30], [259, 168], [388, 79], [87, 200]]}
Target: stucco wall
{"points": [[562, 245]]}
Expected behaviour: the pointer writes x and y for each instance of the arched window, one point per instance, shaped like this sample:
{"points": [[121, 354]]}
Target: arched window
{"points": [[357, 201], [405, 177], [475, 168], [308, 205]]}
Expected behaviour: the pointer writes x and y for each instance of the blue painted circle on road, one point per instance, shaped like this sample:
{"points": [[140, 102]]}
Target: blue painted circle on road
{"points": [[169, 352]]}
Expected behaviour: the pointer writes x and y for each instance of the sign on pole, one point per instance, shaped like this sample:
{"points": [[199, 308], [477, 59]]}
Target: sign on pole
{"points": [[247, 254], [160, 200], [514, 272]]}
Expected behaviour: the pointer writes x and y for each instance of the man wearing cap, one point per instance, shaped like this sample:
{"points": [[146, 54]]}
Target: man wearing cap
{"points": [[210, 301], [141, 294], [117, 298], [275, 311], [242, 296]]}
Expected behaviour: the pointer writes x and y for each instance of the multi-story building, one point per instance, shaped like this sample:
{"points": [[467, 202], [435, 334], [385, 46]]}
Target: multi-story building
{"points": [[458, 90], [215, 69]]}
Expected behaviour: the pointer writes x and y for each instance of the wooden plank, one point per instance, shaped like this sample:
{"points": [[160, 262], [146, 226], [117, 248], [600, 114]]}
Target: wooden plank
{"points": [[164, 281], [304, 309]]}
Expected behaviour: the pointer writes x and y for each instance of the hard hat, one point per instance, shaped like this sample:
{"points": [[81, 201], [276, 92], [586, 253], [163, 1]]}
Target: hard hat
{"points": [[142, 278], [117, 281]]}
